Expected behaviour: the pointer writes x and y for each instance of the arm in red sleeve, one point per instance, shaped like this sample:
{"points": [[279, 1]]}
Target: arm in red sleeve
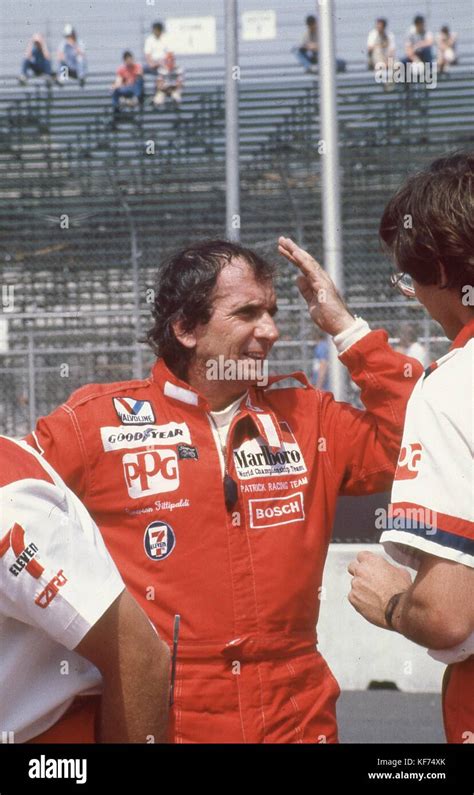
{"points": [[57, 438], [363, 445]]}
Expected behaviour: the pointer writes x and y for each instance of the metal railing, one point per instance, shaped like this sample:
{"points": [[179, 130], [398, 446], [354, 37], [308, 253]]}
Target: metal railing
{"points": [[87, 216]]}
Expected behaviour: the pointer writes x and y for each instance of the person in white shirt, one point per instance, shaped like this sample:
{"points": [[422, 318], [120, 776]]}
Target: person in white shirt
{"points": [[446, 44], [430, 523], [155, 49], [409, 344], [69, 631], [380, 44], [169, 82], [418, 43]]}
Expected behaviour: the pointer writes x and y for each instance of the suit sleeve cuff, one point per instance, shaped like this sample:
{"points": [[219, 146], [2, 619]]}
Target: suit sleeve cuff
{"points": [[345, 339]]}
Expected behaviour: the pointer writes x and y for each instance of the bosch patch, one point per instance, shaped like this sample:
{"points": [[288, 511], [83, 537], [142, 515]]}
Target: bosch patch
{"points": [[274, 511]]}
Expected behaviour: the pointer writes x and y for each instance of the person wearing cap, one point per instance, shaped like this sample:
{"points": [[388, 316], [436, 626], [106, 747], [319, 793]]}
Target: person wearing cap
{"points": [[71, 57]]}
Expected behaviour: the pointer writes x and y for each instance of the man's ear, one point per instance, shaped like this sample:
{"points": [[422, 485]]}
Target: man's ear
{"points": [[186, 338]]}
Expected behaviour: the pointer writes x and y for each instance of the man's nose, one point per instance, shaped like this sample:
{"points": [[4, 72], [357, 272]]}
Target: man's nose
{"points": [[267, 329]]}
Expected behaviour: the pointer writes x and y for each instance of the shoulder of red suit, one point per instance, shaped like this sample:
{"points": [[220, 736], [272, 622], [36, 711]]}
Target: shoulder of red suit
{"points": [[17, 463], [136, 388], [288, 394], [140, 389]]}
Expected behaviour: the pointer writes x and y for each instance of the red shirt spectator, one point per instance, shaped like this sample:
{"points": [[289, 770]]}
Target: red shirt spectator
{"points": [[129, 73], [128, 83]]}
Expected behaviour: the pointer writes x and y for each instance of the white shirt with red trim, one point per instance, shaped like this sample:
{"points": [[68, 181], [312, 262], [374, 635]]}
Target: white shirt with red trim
{"points": [[156, 46], [432, 508], [56, 580]]}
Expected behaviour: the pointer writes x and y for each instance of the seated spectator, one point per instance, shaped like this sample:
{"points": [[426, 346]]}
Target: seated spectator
{"points": [[380, 45], [307, 52], [446, 43], [409, 344], [37, 59], [156, 47], [170, 81], [71, 58], [128, 82], [419, 43]]}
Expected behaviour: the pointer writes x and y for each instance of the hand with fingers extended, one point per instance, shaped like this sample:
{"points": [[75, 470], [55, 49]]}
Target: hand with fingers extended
{"points": [[325, 305]]}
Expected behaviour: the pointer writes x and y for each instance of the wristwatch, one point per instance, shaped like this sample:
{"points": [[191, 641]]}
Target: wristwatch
{"points": [[391, 605]]}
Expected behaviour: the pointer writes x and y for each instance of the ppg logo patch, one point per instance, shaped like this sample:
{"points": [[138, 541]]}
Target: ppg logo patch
{"points": [[159, 540], [150, 472], [134, 412]]}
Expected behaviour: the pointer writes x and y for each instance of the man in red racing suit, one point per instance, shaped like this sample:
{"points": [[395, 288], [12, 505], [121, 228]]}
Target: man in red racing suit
{"points": [[221, 510]]}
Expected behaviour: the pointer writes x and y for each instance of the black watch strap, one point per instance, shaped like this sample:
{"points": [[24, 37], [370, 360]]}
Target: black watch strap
{"points": [[391, 605]]}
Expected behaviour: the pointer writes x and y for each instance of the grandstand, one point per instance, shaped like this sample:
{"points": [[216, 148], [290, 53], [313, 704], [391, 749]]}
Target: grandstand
{"points": [[80, 201]]}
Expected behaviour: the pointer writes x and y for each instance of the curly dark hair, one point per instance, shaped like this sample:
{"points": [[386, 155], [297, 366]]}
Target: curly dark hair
{"points": [[439, 201], [184, 290]]}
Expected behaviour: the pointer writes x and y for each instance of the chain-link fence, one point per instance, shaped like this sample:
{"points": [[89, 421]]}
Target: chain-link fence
{"points": [[89, 210], [45, 356]]}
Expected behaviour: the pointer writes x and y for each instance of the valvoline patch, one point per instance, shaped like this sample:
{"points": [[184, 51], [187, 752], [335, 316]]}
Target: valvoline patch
{"points": [[134, 412]]}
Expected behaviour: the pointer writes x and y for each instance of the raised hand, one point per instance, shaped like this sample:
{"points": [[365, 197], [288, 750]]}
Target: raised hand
{"points": [[326, 306]]}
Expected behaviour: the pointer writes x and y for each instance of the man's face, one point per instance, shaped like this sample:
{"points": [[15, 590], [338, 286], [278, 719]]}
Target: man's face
{"points": [[440, 304], [129, 60], [157, 31], [420, 27], [241, 327], [380, 26]]}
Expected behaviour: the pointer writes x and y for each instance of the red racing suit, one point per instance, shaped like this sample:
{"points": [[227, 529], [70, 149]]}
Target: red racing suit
{"points": [[245, 578]]}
